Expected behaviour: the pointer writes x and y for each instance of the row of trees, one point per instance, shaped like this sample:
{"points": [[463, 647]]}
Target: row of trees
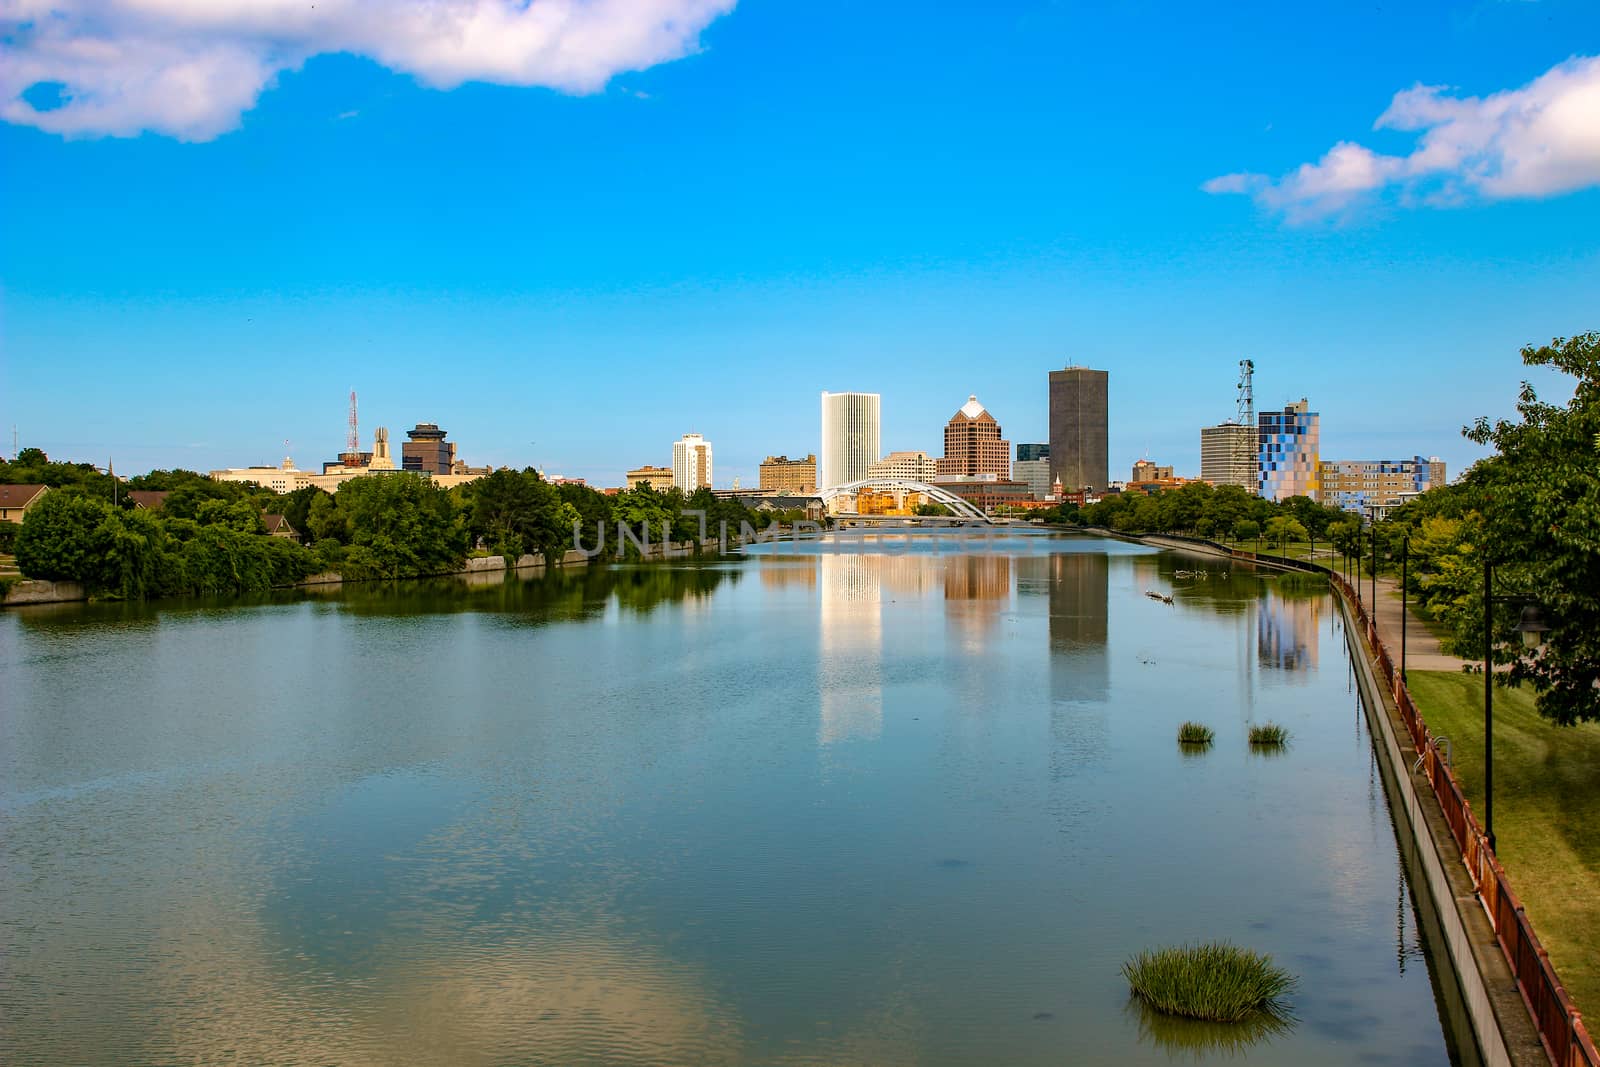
{"points": [[1224, 512], [208, 536]]}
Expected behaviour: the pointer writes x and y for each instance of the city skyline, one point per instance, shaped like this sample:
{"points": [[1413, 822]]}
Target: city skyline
{"points": [[237, 271]]}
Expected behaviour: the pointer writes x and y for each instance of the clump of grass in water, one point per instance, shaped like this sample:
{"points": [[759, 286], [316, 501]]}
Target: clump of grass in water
{"points": [[1269, 735], [1217, 982], [1194, 733]]}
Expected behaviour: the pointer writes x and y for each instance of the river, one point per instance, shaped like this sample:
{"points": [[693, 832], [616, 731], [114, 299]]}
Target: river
{"points": [[884, 800]]}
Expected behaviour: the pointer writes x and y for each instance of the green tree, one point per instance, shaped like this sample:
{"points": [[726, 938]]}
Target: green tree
{"points": [[1540, 501], [60, 539], [401, 526]]}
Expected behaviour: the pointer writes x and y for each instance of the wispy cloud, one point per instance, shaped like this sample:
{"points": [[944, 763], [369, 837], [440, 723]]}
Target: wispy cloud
{"points": [[190, 68], [1539, 140]]}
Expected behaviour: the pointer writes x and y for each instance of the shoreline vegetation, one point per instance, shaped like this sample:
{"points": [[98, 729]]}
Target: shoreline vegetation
{"points": [[208, 537]]}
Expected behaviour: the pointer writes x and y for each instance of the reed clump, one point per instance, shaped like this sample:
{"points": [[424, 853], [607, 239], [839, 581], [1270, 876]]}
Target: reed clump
{"points": [[1269, 735], [1195, 733], [1215, 981]]}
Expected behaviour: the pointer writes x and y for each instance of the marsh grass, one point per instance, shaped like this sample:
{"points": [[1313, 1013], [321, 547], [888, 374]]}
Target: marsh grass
{"points": [[1194, 733], [1269, 735], [1215, 982]]}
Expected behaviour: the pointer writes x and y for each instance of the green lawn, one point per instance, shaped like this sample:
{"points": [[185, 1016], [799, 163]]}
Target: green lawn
{"points": [[1546, 812]]}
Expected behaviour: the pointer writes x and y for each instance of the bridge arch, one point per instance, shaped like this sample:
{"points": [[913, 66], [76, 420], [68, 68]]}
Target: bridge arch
{"points": [[958, 506]]}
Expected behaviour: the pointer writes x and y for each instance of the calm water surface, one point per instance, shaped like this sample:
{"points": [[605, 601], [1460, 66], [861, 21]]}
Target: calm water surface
{"points": [[828, 804]]}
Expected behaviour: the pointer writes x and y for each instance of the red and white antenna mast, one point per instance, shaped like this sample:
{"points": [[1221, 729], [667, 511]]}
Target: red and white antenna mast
{"points": [[352, 444]]}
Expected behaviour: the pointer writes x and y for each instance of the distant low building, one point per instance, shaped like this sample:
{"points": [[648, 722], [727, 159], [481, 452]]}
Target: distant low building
{"points": [[660, 478], [910, 466], [284, 478], [780, 474], [15, 500], [1360, 486], [987, 493]]}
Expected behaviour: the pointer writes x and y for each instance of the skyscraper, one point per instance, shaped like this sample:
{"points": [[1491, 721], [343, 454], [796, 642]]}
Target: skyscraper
{"points": [[1289, 441], [691, 463], [1229, 455], [849, 437], [973, 447], [1032, 451], [1078, 435]]}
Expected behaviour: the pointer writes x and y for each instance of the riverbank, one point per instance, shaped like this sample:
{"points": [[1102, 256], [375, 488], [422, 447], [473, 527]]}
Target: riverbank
{"points": [[477, 570], [1546, 806]]}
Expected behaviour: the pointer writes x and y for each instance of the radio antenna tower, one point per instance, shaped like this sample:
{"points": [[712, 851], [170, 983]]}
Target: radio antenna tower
{"points": [[352, 445], [1246, 444]]}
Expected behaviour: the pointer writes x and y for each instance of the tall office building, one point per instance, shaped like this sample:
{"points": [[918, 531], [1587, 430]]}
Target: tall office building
{"points": [[1230, 455], [691, 463], [1288, 441], [780, 474], [849, 437], [427, 450], [1078, 428], [973, 447]]}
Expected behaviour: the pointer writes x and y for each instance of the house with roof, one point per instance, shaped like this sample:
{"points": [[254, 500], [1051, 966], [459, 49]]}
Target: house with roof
{"points": [[15, 500], [149, 499]]}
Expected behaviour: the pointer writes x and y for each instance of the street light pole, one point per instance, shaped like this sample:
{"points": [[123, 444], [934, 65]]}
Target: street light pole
{"points": [[1405, 551], [1488, 703]]}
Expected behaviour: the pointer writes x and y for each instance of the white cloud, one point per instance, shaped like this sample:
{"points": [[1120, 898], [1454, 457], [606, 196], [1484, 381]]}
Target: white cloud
{"points": [[190, 68], [1540, 140]]}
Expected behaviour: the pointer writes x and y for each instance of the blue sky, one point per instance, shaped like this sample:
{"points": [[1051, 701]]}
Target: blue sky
{"points": [[924, 201]]}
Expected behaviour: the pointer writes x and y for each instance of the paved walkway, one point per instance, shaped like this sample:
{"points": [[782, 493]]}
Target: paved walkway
{"points": [[1422, 647]]}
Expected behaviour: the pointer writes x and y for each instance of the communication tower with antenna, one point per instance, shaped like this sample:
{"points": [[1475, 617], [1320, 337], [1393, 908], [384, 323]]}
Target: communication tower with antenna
{"points": [[1246, 444]]}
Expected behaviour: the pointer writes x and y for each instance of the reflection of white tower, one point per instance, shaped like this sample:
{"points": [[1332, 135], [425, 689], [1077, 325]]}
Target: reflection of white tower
{"points": [[381, 460], [850, 656]]}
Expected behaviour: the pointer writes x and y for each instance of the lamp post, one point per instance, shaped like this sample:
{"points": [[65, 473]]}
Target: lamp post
{"points": [[1532, 628], [1405, 551]]}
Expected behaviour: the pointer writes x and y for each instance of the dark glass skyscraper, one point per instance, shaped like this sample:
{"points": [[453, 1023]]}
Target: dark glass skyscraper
{"points": [[1026, 452], [1078, 438]]}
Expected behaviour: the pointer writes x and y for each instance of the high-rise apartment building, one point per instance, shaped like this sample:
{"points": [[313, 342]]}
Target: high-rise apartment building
{"points": [[850, 424], [691, 463], [1033, 451], [780, 474], [1288, 441], [658, 477], [973, 447], [1230, 454], [1079, 447], [1358, 485], [427, 450], [909, 466]]}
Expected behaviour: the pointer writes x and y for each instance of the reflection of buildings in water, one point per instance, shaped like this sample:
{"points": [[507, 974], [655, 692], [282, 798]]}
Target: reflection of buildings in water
{"points": [[850, 655], [789, 573], [1286, 630], [976, 588], [1080, 664], [975, 577]]}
